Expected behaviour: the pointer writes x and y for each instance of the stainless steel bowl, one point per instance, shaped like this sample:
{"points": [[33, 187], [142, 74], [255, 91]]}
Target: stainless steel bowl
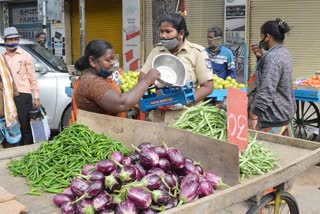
{"points": [[173, 70]]}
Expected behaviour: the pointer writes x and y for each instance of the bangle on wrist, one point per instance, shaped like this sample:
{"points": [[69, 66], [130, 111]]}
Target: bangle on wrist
{"points": [[251, 118]]}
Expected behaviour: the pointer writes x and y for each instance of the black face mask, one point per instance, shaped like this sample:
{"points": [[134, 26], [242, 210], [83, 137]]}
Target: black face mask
{"points": [[43, 43], [263, 44]]}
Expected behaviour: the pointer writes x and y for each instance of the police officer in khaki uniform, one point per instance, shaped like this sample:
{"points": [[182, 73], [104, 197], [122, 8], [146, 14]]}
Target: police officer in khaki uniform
{"points": [[173, 34]]}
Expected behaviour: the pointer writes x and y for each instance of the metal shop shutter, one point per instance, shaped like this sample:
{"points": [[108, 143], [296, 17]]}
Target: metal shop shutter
{"points": [[200, 15], [103, 21], [303, 40]]}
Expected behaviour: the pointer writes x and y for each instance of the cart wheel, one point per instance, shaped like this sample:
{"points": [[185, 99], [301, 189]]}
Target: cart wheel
{"points": [[306, 117], [288, 204]]}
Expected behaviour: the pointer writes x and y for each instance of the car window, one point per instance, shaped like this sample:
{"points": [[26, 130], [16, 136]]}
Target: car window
{"points": [[49, 57], [2, 49], [34, 59]]}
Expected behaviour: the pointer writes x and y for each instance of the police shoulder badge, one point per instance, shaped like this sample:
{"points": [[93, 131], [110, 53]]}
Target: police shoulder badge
{"points": [[208, 63]]}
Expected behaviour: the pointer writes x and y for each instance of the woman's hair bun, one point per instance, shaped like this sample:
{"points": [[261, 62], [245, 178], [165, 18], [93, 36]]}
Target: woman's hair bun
{"points": [[283, 26]]}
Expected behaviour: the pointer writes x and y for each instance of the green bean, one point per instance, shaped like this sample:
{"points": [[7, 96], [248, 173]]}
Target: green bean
{"points": [[256, 159], [205, 120]]}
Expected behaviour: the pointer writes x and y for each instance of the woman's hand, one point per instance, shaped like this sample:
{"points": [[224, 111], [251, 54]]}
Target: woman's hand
{"points": [[252, 124], [152, 76], [257, 50], [252, 120]]}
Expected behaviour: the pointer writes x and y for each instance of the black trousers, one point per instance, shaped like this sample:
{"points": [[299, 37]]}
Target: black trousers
{"points": [[24, 104]]}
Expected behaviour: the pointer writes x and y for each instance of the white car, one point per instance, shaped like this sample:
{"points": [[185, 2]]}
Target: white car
{"points": [[53, 77]]}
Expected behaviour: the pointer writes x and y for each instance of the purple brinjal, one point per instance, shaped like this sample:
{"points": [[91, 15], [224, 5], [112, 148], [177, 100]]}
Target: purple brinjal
{"points": [[117, 156], [102, 202], [145, 145], [106, 166], [127, 161], [85, 206], [215, 180], [127, 173], [60, 199], [151, 181], [140, 197], [157, 171], [160, 196], [140, 171], [189, 192], [176, 158], [69, 193], [189, 168], [126, 207], [205, 188], [68, 208], [95, 175], [173, 202], [147, 211], [188, 178], [164, 164], [171, 181], [149, 158], [112, 183], [87, 168], [161, 151], [79, 186]]}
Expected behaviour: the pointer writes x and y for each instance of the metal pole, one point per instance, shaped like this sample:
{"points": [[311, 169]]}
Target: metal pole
{"points": [[44, 23], [82, 26]]}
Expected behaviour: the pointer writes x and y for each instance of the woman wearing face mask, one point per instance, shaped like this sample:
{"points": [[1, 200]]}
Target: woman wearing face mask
{"points": [[173, 34], [270, 92], [95, 92]]}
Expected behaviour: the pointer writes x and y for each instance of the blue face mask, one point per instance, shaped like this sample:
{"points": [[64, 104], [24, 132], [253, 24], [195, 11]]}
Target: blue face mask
{"points": [[104, 73], [12, 46]]}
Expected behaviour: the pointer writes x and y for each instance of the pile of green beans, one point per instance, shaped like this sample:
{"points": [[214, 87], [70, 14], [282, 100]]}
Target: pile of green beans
{"points": [[256, 159], [205, 120], [52, 167]]}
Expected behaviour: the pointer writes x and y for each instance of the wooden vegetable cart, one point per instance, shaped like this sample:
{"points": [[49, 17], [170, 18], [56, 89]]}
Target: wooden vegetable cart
{"points": [[296, 156], [307, 116]]}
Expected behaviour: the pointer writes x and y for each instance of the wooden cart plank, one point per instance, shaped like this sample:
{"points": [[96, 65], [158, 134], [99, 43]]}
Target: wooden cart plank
{"points": [[17, 151], [17, 185], [296, 142]]}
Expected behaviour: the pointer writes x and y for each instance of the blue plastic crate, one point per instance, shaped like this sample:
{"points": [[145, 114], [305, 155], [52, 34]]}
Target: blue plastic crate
{"points": [[166, 97], [307, 95], [220, 94]]}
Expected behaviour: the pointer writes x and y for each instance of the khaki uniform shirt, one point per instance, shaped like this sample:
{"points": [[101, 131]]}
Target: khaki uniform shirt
{"points": [[194, 57]]}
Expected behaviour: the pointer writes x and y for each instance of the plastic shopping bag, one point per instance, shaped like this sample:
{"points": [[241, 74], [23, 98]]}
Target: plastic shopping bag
{"points": [[40, 128]]}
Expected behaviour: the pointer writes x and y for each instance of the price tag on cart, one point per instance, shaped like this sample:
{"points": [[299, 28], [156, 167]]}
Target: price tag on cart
{"points": [[237, 117]]}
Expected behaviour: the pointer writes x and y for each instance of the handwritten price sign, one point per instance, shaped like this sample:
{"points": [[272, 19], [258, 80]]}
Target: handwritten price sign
{"points": [[237, 117]]}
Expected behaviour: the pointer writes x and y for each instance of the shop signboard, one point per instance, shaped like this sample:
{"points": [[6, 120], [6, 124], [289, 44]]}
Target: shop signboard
{"points": [[235, 34], [24, 16], [131, 35], [58, 41]]}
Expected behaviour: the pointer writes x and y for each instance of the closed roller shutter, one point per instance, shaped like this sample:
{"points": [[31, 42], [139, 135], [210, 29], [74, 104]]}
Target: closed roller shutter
{"points": [[147, 28], [103, 21], [303, 39], [200, 15]]}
